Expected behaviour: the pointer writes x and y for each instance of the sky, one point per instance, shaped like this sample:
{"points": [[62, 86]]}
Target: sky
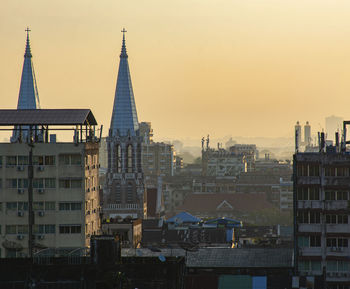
{"points": [[220, 67]]}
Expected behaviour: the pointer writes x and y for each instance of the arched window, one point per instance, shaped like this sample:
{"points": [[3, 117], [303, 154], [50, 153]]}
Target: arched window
{"points": [[129, 159], [119, 159]]}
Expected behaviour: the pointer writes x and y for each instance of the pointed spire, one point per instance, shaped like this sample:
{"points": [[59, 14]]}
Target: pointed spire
{"points": [[124, 120], [28, 93], [28, 53], [123, 53]]}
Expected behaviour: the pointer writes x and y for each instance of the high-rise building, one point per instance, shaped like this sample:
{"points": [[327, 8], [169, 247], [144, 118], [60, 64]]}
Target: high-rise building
{"points": [[125, 186], [321, 214], [297, 129]]}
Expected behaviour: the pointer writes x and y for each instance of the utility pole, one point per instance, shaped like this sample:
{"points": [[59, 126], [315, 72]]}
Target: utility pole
{"points": [[30, 202]]}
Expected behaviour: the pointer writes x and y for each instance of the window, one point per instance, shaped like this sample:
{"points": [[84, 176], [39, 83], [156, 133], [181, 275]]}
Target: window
{"points": [[331, 219], [50, 206], [314, 217], [342, 195], [38, 183], [329, 171], [330, 195], [331, 242], [314, 193], [342, 172], [50, 183], [22, 229], [129, 158], [75, 206], [64, 184], [49, 160], [315, 241], [38, 160], [38, 206], [342, 242], [64, 206], [0, 209], [11, 183], [76, 183], [342, 219], [50, 229], [303, 241], [23, 160], [70, 229], [22, 206], [10, 229], [64, 160], [38, 229], [11, 206], [76, 159], [22, 183], [314, 170], [11, 160], [303, 217]]}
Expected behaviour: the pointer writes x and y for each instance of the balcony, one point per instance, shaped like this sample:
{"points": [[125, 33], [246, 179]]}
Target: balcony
{"points": [[310, 205], [312, 228], [337, 205], [338, 251], [308, 180], [314, 251], [338, 228]]}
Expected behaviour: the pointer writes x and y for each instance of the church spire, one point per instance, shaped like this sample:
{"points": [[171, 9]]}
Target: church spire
{"points": [[28, 93], [124, 117]]}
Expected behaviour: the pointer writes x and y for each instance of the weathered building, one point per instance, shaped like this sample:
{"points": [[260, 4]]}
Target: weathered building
{"points": [[321, 214]]}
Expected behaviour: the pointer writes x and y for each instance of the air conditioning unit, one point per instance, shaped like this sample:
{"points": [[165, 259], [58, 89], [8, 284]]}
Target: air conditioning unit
{"points": [[41, 237], [20, 237], [41, 213], [21, 191], [41, 168], [20, 213], [20, 168], [41, 191]]}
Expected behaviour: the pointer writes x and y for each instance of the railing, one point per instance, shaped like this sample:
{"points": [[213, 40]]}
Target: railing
{"points": [[123, 206]]}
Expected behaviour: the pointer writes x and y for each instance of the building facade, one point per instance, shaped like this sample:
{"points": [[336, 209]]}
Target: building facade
{"points": [[321, 215]]}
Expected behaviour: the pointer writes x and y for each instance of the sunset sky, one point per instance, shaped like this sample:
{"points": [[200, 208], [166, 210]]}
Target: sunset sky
{"points": [[245, 68]]}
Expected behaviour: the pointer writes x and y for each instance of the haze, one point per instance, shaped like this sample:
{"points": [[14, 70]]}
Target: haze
{"points": [[249, 68]]}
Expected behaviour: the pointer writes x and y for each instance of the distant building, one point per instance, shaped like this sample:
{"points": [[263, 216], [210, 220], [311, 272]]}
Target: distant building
{"points": [[249, 151], [333, 125], [222, 163], [125, 184]]}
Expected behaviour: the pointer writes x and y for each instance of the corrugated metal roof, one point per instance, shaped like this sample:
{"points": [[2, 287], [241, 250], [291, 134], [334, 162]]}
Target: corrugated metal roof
{"points": [[183, 217], [240, 257], [46, 117]]}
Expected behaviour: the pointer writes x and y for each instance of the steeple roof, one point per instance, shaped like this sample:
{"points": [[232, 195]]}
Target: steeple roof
{"points": [[124, 117], [28, 94]]}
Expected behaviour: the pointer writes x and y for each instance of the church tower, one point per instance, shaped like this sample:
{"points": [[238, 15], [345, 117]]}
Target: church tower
{"points": [[28, 95], [125, 186]]}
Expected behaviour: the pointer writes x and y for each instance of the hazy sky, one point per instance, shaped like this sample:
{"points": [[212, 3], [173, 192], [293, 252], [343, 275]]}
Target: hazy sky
{"points": [[247, 67]]}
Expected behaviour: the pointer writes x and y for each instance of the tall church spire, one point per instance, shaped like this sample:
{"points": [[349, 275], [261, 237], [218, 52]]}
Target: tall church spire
{"points": [[28, 93], [124, 117]]}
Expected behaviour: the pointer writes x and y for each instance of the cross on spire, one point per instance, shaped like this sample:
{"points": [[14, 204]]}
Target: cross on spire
{"points": [[124, 31], [27, 30]]}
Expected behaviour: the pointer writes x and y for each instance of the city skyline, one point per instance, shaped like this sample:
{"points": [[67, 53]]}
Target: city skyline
{"points": [[205, 70]]}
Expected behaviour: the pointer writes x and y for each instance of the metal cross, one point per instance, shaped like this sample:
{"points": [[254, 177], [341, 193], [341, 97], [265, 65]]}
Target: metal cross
{"points": [[27, 30], [124, 31]]}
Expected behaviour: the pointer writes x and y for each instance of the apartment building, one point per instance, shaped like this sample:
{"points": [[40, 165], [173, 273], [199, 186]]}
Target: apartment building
{"points": [[54, 182], [321, 215]]}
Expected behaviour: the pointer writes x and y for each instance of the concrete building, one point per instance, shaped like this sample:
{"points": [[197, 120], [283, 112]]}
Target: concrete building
{"points": [[54, 182], [321, 214], [125, 185], [249, 151], [222, 163]]}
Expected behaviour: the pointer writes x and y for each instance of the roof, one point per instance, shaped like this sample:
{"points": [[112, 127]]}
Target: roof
{"points": [[225, 221], [241, 257], [10, 117], [223, 257], [183, 217], [124, 116], [197, 203]]}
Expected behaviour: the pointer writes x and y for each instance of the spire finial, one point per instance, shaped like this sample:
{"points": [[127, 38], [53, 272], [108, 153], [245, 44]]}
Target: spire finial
{"points": [[28, 52], [123, 53]]}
